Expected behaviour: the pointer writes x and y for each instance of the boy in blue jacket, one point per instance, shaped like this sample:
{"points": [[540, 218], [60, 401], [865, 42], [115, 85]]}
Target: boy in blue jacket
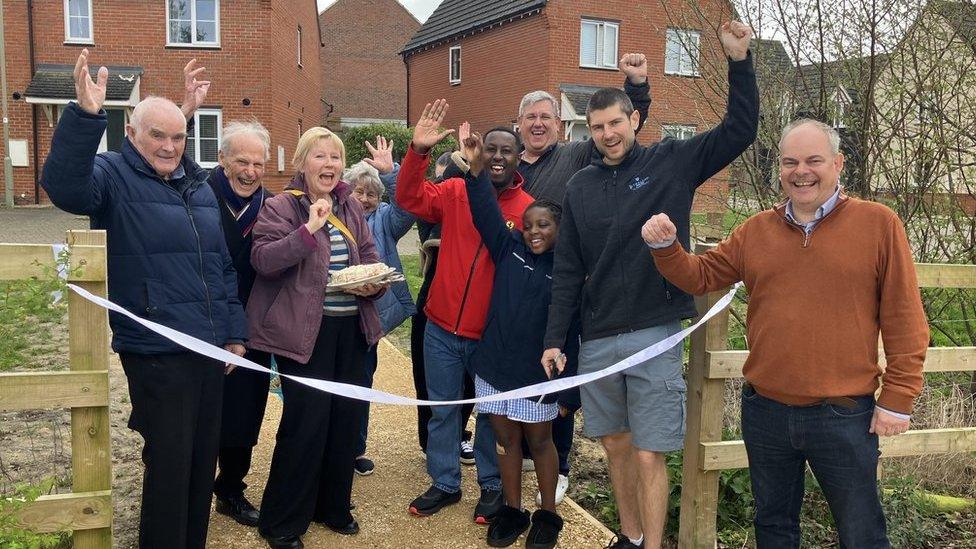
{"points": [[505, 358]]}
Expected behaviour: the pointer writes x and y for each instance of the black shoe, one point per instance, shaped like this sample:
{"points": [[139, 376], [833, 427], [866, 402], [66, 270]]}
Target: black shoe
{"points": [[621, 541], [285, 542], [546, 526], [490, 502], [350, 529], [509, 524], [432, 501], [363, 466], [467, 453], [238, 508]]}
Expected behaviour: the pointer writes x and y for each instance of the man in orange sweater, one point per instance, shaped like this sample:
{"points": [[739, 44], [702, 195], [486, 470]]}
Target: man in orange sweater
{"points": [[825, 273]]}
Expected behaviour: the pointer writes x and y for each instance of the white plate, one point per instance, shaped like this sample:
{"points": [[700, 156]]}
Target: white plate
{"points": [[360, 282]]}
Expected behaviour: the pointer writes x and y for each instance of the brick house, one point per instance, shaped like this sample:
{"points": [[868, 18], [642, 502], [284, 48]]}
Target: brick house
{"points": [[483, 56], [364, 80], [261, 55]]}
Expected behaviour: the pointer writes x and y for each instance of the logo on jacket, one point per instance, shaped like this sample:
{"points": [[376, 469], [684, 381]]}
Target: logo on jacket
{"points": [[639, 182], [510, 225]]}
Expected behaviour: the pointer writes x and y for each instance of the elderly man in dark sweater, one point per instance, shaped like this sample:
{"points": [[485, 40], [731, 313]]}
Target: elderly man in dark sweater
{"points": [[602, 272]]}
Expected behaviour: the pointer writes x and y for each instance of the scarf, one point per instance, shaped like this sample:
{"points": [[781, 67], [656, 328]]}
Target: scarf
{"points": [[244, 210]]}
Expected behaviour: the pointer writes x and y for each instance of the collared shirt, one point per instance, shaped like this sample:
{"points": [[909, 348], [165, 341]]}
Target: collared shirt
{"points": [[528, 169], [822, 211]]}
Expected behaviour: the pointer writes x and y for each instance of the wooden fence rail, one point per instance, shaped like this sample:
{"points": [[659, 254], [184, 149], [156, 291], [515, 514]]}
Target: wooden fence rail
{"points": [[87, 511], [710, 364]]}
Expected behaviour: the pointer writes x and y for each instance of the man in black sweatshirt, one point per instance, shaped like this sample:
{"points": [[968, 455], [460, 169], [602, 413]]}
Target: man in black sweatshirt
{"points": [[603, 271]]}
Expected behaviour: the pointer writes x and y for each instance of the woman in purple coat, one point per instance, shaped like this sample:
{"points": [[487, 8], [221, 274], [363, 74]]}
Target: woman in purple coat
{"points": [[313, 228]]}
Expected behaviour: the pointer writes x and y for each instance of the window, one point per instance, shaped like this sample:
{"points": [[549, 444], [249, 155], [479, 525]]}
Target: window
{"points": [[681, 52], [579, 131], [193, 22], [677, 131], [299, 45], [455, 65], [203, 142], [598, 44], [78, 21]]}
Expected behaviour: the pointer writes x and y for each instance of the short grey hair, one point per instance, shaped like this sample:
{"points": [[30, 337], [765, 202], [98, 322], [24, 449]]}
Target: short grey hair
{"points": [[832, 136], [534, 97], [361, 172], [153, 102], [239, 128]]}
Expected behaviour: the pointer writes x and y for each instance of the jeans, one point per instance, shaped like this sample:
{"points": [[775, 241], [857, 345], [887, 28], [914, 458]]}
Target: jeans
{"points": [[780, 440], [446, 358]]}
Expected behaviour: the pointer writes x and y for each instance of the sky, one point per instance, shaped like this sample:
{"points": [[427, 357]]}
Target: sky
{"points": [[421, 9]]}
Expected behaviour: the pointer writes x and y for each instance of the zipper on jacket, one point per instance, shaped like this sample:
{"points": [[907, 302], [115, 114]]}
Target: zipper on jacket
{"points": [[467, 286], [203, 277]]}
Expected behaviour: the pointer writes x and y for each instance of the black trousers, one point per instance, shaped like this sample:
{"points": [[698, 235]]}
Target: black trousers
{"points": [[417, 328], [312, 467], [176, 402], [245, 398]]}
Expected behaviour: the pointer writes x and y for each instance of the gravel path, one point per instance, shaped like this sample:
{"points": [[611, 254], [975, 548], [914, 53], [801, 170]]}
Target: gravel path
{"points": [[382, 497]]}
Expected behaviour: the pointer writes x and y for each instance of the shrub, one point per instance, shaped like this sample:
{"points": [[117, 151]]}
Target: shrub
{"points": [[355, 138]]}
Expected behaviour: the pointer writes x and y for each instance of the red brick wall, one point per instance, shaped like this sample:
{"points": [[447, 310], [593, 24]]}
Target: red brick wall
{"points": [[133, 33], [497, 68], [297, 92], [363, 75]]}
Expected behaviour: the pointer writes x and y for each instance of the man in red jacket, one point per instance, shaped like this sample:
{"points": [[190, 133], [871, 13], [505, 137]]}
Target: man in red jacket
{"points": [[458, 302]]}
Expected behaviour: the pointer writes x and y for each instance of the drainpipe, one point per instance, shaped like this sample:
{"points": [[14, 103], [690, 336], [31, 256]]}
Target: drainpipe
{"points": [[34, 133], [408, 88]]}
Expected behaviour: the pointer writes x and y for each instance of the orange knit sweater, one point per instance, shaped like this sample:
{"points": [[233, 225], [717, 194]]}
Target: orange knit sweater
{"points": [[817, 303]]}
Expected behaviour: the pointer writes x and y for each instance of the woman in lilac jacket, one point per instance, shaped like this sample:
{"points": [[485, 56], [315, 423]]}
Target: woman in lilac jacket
{"points": [[313, 228]]}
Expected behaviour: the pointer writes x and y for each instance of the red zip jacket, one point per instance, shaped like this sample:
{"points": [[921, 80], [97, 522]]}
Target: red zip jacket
{"points": [[461, 290]]}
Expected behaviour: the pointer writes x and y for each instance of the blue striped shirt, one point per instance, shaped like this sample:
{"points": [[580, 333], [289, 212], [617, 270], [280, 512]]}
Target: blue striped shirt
{"points": [[338, 302]]}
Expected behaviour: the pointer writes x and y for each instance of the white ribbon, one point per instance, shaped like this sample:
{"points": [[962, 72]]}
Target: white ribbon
{"points": [[372, 395]]}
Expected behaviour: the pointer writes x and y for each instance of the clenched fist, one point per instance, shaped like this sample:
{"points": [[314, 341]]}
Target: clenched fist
{"points": [[318, 212], [634, 66], [735, 37], [659, 231]]}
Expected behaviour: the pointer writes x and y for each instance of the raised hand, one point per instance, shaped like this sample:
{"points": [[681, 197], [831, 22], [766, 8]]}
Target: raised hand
{"points": [[427, 132], [318, 212], [634, 66], [194, 91], [382, 155], [659, 230], [90, 94], [735, 37], [471, 147]]}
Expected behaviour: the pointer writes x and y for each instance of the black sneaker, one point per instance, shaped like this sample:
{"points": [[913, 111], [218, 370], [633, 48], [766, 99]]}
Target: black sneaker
{"points": [[467, 453], [546, 526], [490, 502], [238, 508], [621, 541], [364, 466], [509, 524], [432, 501]]}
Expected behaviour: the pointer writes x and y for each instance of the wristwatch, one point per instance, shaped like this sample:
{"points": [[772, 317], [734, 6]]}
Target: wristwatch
{"points": [[460, 161]]}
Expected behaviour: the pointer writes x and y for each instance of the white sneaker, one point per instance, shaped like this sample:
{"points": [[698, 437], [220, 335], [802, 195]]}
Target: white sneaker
{"points": [[562, 484], [527, 465]]}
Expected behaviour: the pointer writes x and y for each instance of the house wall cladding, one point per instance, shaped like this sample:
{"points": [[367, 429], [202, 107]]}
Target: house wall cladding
{"points": [[363, 75], [133, 33], [542, 52]]}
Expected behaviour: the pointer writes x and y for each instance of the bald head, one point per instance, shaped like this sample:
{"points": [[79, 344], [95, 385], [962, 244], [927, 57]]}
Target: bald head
{"points": [[157, 130]]}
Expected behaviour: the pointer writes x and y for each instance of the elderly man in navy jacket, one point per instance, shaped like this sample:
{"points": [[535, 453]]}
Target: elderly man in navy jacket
{"points": [[167, 262]]}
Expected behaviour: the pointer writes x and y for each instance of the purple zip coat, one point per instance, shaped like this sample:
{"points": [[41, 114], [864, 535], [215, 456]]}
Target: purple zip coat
{"points": [[284, 312]]}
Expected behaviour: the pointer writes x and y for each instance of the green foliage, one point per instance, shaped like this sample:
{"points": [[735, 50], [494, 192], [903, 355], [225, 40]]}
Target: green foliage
{"points": [[26, 310], [355, 138], [15, 536], [400, 336]]}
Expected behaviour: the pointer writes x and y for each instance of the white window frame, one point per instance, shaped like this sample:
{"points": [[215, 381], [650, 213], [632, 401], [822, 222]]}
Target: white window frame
{"points": [[454, 79], [678, 131], [689, 56], [68, 39], [604, 58], [196, 135], [193, 43], [299, 46]]}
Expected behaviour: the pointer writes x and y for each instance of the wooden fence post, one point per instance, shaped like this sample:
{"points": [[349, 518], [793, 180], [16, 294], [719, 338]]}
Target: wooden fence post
{"points": [[705, 410], [91, 456]]}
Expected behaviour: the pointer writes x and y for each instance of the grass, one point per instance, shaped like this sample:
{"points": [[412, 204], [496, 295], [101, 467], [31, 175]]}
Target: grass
{"points": [[400, 336]]}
